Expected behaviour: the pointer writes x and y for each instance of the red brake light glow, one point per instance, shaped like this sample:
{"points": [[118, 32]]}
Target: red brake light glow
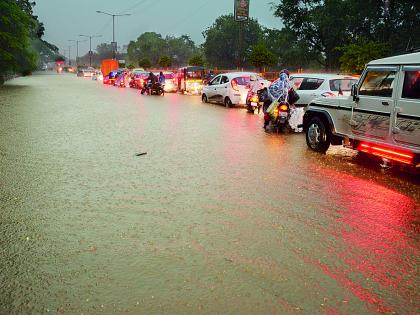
{"points": [[284, 108], [254, 99], [386, 152]]}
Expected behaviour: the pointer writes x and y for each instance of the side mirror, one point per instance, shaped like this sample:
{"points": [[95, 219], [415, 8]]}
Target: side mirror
{"points": [[354, 93]]}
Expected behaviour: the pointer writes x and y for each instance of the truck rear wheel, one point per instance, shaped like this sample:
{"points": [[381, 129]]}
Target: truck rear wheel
{"points": [[318, 137]]}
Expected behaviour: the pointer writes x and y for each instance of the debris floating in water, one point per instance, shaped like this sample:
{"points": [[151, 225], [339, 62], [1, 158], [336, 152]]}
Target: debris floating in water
{"points": [[140, 154]]}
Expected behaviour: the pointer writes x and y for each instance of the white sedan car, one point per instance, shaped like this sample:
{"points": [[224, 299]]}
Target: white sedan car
{"points": [[230, 88], [310, 86]]}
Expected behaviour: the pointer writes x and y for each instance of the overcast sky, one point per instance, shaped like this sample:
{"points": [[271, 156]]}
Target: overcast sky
{"points": [[65, 20]]}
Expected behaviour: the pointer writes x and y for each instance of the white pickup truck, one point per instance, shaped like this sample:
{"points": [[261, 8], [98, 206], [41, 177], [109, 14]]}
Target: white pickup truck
{"points": [[381, 117]]}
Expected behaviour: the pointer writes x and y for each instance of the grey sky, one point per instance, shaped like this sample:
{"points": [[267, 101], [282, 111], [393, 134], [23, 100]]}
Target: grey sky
{"points": [[65, 20]]}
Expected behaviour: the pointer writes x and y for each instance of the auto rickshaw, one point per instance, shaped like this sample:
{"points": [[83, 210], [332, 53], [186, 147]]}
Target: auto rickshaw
{"points": [[190, 79]]}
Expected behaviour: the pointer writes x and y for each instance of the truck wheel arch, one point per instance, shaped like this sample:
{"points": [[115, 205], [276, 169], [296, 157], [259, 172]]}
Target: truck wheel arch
{"points": [[326, 118]]}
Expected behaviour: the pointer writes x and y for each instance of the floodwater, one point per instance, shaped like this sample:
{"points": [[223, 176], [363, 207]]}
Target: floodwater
{"points": [[217, 218]]}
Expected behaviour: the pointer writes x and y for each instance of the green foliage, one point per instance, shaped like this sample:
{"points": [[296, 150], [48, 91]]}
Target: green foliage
{"points": [[180, 49], [148, 45], [222, 45], [356, 56], [290, 52], [197, 60], [152, 46], [130, 66], [324, 25], [16, 54], [145, 63], [261, 56], [104, 51], [165, 61]]}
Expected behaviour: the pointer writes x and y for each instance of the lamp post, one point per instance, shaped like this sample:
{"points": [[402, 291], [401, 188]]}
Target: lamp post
{"points": [[77, 48], [70, 46], [114, 44], [90, 46]]}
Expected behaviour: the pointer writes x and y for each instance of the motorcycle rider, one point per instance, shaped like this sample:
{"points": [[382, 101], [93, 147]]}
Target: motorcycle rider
{"points": [[151, 80], [254, 84], [161, 78], [278, 90], [254, 89]]}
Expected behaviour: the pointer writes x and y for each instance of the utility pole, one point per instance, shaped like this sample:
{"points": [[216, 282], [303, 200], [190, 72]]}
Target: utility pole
{"points": [[241, 13], [69, 54], [77, 48], [90, 46], [113, 44], [241, 40]]}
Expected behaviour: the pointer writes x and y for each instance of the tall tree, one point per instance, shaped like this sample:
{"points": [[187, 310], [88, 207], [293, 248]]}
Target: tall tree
{"points": [[324, 25], [180, 48], [290, 52], [356, 56], [104, 51], [223, 46], [165, 61], [261, 57], [16, 54], [149, 45], [153, 46], [320, 24]]}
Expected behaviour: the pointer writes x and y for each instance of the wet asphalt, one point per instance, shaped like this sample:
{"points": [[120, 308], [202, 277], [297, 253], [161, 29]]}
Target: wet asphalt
{"points": [[117, 203]]}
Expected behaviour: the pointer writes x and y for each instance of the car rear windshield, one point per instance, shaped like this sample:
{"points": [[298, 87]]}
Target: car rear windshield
{"points": [[169, 76], [242, 80], [310, 84], [342, 84]]}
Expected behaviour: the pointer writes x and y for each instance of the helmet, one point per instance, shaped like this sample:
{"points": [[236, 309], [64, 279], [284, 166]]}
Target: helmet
{"points": [[284, 71]]}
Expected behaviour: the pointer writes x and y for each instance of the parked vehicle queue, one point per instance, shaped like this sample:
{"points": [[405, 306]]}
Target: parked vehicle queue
{"points": [[378, 114]]}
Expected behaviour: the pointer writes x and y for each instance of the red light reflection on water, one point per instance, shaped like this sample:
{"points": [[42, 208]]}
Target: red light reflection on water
{"points": [[232, 136], [376, 239], [174, 110]]}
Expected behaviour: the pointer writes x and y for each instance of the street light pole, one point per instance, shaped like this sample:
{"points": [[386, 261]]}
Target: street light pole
{"points": [[77, 48], [114, 44], [69, 55], [90, 46]]}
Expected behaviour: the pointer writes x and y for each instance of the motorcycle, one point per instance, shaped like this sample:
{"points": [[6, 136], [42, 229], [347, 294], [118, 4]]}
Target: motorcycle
{"points": [[153, 89], [255, 100], [277, 113], [277, 116]]}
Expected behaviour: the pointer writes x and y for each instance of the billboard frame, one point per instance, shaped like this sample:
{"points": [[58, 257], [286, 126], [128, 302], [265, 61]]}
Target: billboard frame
{"points": [[241, 10]]}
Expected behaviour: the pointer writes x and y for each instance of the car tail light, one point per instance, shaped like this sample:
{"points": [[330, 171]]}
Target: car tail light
{"points": [[284, 108], [386, 152], [328, 94], [234, 85]]}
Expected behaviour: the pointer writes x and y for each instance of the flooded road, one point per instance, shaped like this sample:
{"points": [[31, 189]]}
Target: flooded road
{"points": [[217, 218]]}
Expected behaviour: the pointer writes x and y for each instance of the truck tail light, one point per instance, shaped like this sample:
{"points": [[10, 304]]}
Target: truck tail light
{"points": [[405, 157]]}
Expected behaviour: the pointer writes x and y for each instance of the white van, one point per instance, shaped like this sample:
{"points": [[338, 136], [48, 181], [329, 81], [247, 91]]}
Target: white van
{"points": [[381, 117]]}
